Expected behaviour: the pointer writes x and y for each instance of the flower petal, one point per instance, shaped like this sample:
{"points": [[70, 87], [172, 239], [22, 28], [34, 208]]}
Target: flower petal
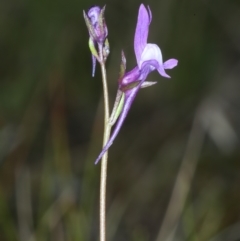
{"points": [[152, 56], [141, 32], [162, 72], [171, 63], [147, 67], [151, 52]]}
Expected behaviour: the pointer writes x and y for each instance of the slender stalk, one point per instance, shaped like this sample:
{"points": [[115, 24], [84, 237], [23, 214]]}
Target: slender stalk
{"points": [[107, 129]]}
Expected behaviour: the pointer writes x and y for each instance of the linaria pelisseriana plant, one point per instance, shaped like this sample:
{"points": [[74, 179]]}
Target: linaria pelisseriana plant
{"points": [[148, 58]]}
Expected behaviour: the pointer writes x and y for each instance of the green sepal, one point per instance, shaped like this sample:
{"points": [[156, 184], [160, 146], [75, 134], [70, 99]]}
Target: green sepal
{"points": [[122, 65], [118, 106], [92, 48], [130, 86], [106, 49], [101, 19], [86, 20], [89, 26], [147, 84]]}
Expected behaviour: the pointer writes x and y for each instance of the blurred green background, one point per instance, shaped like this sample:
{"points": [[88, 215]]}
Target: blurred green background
{"points": [[174, 169]]}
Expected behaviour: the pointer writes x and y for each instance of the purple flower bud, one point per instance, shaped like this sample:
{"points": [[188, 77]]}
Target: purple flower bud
{"points": [[98, 32], [93, 14], [96, 24]]}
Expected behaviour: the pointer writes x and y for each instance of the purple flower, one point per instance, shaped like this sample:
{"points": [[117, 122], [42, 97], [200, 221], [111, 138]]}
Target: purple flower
{"points": [[149, 58]]}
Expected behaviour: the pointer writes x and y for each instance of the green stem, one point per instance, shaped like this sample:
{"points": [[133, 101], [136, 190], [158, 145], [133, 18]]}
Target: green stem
{"points": [[107, 129]]}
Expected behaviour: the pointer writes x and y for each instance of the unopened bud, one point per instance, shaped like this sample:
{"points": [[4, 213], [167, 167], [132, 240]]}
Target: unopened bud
{"points": [[96, 24]]}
